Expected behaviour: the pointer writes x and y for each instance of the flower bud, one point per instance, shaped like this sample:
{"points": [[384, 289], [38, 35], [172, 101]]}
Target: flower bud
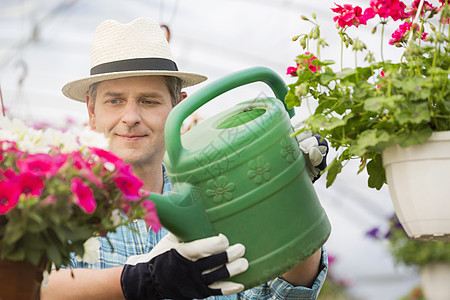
{"points": [[301, 89], [374, 30], [314, 15], [303, 42], [315, 33], [295, 38], [433, 28], [304, 18], [439, 37]]}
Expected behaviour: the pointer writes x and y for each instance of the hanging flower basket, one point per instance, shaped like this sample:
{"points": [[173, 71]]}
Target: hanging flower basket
{"points": [[419, 185], [434, 280]]}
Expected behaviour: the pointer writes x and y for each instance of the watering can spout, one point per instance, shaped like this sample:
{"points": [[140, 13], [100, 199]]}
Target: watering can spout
{"points": [[182, 212]]}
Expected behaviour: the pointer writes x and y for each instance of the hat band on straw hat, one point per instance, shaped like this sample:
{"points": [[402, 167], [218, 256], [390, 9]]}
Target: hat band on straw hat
{"points": [[135, 64]]}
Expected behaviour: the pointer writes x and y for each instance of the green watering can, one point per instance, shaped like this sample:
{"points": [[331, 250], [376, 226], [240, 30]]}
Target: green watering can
{"points": [[240, 173]]}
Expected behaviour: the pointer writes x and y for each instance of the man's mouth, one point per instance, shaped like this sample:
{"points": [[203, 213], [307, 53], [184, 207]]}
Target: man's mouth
{"points": [[131, 137]]}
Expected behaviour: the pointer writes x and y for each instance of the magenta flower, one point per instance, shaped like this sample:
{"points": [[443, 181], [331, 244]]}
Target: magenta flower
{"points": [[307, 63], [426, 7], [401, 34], [85, 168], [130, 186], [291, 71], [387, 8], [83, 195], [41, 164], [9, 195], [349, 16], [106, 156], [151, 218], [30, 184]]}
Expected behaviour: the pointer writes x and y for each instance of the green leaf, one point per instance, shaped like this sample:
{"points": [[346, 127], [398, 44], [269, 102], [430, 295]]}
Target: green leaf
{"points": [[320, 121], [345, 73], [332, 171], [416, 114], [416, 136], [327, 76], [371, 140], [291, 100], [15, 229], [379, 103], [377, 174], [53, 254]]}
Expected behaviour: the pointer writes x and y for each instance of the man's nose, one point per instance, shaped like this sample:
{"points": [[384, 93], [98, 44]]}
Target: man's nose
{"points": [[131, 115]]}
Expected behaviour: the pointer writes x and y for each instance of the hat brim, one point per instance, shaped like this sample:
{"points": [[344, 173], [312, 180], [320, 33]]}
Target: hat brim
{"points": [[77, 89]]}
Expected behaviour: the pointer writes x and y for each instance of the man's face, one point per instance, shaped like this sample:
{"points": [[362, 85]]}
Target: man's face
{"points": [[132, 112]]}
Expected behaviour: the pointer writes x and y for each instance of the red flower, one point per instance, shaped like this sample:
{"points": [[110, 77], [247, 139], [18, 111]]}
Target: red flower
{"points": [[308, 62], [85, 168], [426, 7], [388, 8], [9, 195], [401, 34], [83, 195], [129, 185], [41, 164], [349, 16], [106, 156], [291, 71], [30, 184], [151, 218]]}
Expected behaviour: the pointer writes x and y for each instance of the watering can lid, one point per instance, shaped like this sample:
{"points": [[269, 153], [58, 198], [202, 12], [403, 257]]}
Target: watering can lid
{"points": [[228, 133]]}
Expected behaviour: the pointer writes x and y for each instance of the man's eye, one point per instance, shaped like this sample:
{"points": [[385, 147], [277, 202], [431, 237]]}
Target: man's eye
{"points": [[113, 101], [148, 102]]}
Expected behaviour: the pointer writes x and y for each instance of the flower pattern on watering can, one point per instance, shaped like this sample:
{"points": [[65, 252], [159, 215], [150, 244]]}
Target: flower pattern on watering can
{"points": [[220, 190], [288, 150], [259, 170]]}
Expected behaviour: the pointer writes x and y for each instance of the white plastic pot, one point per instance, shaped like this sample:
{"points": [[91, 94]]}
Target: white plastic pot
{"points": [[435, 279], [419, 184]]}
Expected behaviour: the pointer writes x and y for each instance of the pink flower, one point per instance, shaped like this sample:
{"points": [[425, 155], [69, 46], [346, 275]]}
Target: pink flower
{"points": [[151, 218], [9, 195], [41, 164], [307, 63], [106, 155], [388, 8], [291, 71], [30, 184], [349, 16], [382, 75], [426, 7], [130, 186], [83, 195], [401, 34], [85, 168]]}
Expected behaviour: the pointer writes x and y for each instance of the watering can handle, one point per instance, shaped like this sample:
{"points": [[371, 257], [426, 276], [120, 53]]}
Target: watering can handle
{"points": [[185, 108]]}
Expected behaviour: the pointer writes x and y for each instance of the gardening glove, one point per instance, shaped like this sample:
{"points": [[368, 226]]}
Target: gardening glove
{"points": [[178, 270], [315, 150]]}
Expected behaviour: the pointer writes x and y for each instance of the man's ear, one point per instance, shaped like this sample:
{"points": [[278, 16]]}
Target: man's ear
{"points": [[183, 95], [91, 108]]}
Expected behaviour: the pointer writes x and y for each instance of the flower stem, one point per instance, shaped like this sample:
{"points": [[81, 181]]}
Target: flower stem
{"points": [[382, 34], [342, 53]]}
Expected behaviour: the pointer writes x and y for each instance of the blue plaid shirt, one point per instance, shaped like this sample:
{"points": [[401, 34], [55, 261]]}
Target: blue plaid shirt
{"points": [[127, 243]]}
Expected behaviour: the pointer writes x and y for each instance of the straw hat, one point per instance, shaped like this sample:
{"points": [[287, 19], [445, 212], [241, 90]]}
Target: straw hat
{"points": [[138, 48]]}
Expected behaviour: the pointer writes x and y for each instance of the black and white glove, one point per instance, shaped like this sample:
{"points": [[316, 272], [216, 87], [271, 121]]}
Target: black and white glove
{"points": [[315, 150], [178, 270]]}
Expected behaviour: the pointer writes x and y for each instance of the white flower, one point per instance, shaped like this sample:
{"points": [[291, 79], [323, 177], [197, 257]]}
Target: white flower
{"points": [[91, 251], [116, 218], [90, 138], [109, 166], [65, 141], [44, 279]]}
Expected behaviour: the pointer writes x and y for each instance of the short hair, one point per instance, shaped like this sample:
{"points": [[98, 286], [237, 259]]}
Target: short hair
{"points": [[174, 85]]}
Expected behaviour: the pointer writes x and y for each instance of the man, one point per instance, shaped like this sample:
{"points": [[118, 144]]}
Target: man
{"points": [[133, 86]]}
